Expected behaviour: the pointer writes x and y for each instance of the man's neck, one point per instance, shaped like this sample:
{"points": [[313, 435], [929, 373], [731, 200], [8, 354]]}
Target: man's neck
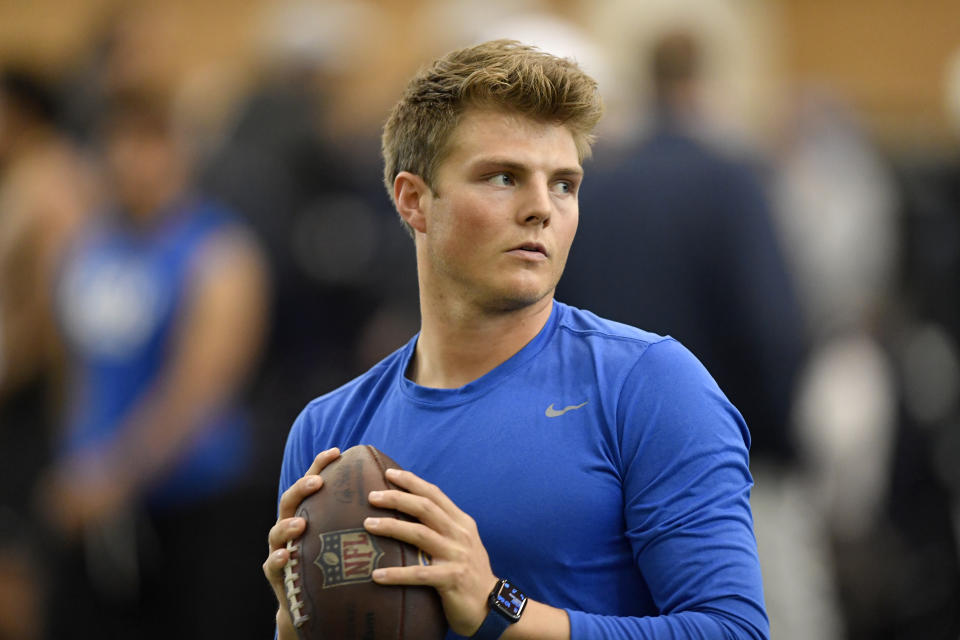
{"points": [[455, 348], [146, 207]]}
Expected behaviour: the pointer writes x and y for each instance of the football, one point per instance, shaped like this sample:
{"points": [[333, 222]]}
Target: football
{"points": [[330, 592]]}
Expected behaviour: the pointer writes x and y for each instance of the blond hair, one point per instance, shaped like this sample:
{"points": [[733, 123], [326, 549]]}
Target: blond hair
{"points": [[502, 74]]}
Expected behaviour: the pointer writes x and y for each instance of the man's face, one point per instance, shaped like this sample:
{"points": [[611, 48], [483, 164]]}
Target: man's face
{"points": [[144, 167], [503, 212]]}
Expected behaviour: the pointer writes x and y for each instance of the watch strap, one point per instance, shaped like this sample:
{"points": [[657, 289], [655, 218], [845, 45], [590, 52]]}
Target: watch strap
{"points": [[493, 626]]}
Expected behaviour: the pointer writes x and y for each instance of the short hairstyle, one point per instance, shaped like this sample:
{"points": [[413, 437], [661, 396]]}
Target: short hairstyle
{"points": [[677, 58], [503, 74]]}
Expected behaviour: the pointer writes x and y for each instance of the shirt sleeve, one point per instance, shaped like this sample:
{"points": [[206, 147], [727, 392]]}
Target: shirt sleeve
{"points": [[687, 485], [298, 454]]}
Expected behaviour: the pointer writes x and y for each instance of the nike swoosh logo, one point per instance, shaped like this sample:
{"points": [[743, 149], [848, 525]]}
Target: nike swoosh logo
{"points": [[553, 413]]}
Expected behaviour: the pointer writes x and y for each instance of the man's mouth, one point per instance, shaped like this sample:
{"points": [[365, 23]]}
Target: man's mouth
{"points": [[533, 247]]}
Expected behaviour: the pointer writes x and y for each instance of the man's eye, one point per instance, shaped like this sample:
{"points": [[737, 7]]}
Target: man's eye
{"points": [[563, 187], [501, 179]]}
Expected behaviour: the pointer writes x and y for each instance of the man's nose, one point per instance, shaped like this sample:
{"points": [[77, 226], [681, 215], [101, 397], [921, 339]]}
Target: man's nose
{"points": [[537, 204]]}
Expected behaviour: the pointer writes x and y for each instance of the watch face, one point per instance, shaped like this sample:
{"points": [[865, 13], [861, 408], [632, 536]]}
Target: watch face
{"points": [[510, 600]]}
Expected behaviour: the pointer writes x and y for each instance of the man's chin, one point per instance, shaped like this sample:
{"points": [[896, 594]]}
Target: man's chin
{"points": [[518, 300]]}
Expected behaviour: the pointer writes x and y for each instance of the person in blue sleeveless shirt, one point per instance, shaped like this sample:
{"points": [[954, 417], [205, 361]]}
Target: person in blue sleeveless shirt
{"points": [[571, 477], [161, 304]]}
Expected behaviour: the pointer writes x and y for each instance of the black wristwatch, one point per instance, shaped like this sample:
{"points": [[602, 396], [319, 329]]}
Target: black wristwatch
{"points": [[506, 604]]}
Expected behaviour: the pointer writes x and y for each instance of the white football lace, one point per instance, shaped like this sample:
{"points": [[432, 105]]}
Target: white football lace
{"points": [[290, 575]]}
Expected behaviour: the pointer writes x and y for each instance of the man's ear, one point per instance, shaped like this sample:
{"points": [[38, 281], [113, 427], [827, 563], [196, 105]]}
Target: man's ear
{"points": [[411, 194]]}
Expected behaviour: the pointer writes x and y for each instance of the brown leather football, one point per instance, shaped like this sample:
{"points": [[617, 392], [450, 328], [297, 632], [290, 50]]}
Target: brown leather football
{"points": [[330, 592]]}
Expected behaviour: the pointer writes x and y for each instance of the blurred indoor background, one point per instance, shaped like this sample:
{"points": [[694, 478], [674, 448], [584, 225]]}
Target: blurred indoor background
{"points": [[782, 177]]}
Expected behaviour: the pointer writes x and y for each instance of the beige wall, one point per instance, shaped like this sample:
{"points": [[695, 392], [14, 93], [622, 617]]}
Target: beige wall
{"points": [[888, 56]]}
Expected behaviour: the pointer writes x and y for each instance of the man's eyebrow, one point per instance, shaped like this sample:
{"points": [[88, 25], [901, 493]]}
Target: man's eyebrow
{"points": [[512, 165], [573, 172]]}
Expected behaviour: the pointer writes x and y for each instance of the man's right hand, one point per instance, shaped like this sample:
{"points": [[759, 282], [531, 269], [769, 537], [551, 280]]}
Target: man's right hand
{"points": [[288, 528]]}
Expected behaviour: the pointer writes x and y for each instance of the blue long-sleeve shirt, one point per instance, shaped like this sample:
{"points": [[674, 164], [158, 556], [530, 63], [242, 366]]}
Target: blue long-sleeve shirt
{"points": [[606, 471]]}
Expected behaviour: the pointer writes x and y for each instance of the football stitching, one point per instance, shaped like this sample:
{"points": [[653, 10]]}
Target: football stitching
{"points": [[290, 576]]}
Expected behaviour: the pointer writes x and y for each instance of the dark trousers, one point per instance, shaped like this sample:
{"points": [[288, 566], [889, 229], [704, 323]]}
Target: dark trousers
{"points": [[190, 572]]}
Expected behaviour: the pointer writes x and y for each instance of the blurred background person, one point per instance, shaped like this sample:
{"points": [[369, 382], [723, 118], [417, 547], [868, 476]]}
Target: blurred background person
{"points": [[683, 233], [162, 303], [877, 405], [306, 180], [831, 194], [678, 237], [875, 243], [45, 194]]}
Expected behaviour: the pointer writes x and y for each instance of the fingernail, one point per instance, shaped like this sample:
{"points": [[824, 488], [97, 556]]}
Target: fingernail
{"points": [[278, 554], [378, 573], [371, 522], [393, 473], [313, 482], [376, 495], [294, 524]]}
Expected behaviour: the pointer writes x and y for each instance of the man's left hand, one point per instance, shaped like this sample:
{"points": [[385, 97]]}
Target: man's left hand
{"points": [[460, 567]]}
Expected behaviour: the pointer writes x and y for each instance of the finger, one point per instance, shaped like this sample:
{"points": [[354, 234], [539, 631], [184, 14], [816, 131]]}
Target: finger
{"points": [[419, 535], [322, 460], [308, 484], [422, 508], [285, 530], [465, 610], [440, 576], [418, 575], [296, 494], [273, 566], [416, 485], [273, 569]]}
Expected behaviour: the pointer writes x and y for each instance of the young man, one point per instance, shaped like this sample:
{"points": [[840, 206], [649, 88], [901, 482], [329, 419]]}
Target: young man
{"points": [[595, 466], [161, 306]]}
